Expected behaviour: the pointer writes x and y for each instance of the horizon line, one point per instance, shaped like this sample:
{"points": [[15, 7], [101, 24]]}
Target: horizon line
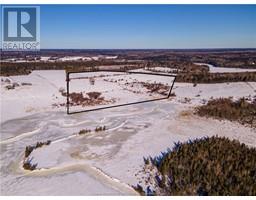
{"points": [[221, 48]]}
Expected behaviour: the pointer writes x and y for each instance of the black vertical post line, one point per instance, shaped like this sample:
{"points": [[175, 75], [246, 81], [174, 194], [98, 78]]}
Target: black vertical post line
{"points": [[114, 106], [67, 80], [171, 87]]}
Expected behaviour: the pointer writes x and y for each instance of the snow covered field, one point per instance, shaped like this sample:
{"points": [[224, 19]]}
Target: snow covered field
{"points": [[214, 69], [98, 163], [61, 59], [119, 88]]}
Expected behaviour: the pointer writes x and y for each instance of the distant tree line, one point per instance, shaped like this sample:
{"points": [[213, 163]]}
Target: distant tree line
{"points": [[23, 68], [216, 77]]}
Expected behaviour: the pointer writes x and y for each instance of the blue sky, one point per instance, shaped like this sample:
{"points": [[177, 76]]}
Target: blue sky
{"points": [[148, 26]]}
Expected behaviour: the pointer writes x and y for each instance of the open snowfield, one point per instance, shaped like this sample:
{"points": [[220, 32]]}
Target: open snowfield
{"points": [[60, 59], [215, 69], [99, 163], [119, 88]]}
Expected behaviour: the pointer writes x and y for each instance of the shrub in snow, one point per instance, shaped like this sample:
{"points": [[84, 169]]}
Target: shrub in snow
{"points": [[93, 95], [7, 80], [173, 94], [27, 165], [24, 84], [28, 150], [62, 91], [15, 84], [100, 128], [84, 131], [92, 81], [9, 87]]}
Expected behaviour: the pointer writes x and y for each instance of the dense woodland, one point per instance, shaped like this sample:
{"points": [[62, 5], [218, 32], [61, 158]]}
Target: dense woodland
{"points": [[208, 166]]}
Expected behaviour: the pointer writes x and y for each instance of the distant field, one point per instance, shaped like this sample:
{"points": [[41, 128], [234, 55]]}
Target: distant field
{"points": [[181, 62]]}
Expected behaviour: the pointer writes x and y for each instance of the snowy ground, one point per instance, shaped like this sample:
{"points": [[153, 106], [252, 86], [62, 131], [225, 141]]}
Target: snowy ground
{"points": [[118, 88], [61, 59], [102, 163], [214, 69]]}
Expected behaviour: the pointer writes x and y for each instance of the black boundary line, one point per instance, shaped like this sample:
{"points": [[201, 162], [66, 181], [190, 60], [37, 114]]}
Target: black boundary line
{"points": [[114, 106]]}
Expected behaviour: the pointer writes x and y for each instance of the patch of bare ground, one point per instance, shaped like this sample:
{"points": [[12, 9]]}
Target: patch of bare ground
{"points": [[186, 114]]}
